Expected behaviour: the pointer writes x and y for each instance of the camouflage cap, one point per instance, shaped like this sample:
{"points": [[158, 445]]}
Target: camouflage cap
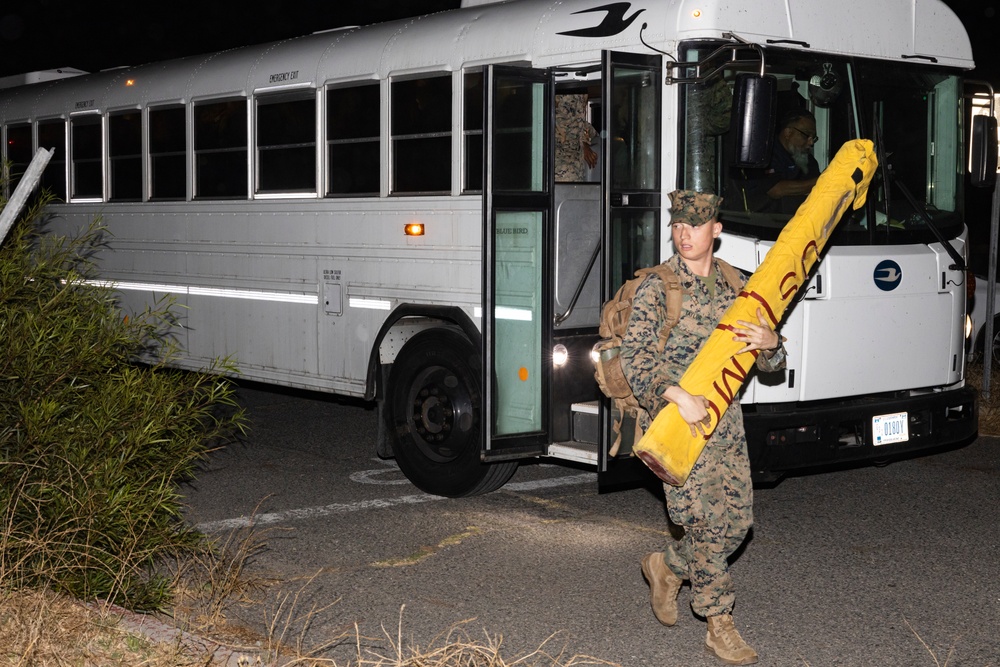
{"points": [[694, 208]]}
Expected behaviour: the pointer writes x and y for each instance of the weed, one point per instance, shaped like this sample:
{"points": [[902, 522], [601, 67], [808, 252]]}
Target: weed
{"points": [[92, 442]]}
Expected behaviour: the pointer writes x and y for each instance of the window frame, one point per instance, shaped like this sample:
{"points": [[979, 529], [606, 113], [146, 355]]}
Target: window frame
{"points": [[473, 134], [14, 174], [115, 159], [268, 100], [212, 159], [154, 156], [417, 140], [368, 140], [58, 161]]}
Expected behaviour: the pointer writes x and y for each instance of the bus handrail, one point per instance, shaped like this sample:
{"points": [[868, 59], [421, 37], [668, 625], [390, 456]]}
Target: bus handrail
{"points": [[737, 44], [559, 319]]}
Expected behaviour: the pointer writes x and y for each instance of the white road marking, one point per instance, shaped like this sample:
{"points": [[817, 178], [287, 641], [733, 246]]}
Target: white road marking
{"points": [[307, 513], [370, 476]]}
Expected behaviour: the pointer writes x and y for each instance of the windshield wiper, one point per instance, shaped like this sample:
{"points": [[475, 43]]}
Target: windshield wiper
{"points": [[921, 209], [888, 177]]}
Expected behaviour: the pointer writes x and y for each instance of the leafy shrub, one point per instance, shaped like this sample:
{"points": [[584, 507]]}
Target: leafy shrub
{"points": [[92, 443]]}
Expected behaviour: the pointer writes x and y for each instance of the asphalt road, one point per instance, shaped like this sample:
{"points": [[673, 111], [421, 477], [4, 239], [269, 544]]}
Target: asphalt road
{"points": [[882, 566]]}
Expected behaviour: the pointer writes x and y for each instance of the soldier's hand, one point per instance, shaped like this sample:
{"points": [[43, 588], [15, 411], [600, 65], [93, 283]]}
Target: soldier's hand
{"points": [[757, 336], [693, 409]]}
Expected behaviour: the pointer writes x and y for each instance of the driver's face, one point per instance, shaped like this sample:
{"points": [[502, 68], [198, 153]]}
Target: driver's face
{"points": [[801, 135]]}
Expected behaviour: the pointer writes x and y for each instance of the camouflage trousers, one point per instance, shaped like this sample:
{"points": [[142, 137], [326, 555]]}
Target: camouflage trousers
{"points": [[715, 510]]}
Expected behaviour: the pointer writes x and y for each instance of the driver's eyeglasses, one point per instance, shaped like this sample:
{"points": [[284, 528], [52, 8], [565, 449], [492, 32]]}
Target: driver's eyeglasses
{"points": [[811, 137]]}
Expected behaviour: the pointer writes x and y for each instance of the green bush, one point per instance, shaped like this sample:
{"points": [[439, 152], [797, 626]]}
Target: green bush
{"points": [[92, 443]]}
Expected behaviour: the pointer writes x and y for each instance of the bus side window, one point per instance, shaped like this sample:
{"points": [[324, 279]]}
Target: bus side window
{"points": [[52, 135], [421, 135], [472, 130], [220, 149], [167, 153], [86, 176], [353, 118], [125, 155], [286, 143], [18, 151]]}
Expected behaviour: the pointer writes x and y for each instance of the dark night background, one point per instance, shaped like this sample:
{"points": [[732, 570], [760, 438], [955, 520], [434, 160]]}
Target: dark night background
{"points": [[46, 34]]}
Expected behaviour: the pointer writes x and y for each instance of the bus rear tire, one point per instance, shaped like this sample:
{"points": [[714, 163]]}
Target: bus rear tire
{"points": [[434, 416], [979, 354]]}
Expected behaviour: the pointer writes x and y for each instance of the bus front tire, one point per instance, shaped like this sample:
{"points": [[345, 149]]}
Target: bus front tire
{"points": [[433, 413]]}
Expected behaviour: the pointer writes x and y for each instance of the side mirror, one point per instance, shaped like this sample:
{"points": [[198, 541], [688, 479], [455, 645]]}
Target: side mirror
{"points": [[755, 104], [984, 151]]}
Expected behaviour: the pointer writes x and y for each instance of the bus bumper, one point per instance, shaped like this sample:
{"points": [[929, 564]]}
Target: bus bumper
{"points": [[783, 438]]}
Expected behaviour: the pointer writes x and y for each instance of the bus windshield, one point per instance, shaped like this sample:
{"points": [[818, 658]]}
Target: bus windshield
{"points": [[911, 111]]}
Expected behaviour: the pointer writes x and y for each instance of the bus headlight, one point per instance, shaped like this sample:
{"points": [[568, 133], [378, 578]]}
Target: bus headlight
{"points": [[968, 327], [560, 355]]}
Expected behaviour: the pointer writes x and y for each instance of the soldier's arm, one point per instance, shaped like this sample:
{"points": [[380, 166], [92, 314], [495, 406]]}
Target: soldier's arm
{"points": [[641, 361]]}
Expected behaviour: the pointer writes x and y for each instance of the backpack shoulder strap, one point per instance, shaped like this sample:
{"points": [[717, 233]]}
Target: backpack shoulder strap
{"points": [[731, 274], [675, 298]]}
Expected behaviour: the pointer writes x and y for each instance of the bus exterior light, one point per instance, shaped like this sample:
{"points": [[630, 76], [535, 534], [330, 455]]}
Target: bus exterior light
{"points": [[968, 326], [414, 229], [696, 13], [560, 355]]}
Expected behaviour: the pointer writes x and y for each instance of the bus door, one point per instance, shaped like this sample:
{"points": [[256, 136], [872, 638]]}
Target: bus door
{"points": [[632, 109], [517, 311]]}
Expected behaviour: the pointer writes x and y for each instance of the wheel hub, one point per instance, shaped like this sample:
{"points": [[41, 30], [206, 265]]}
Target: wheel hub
{"points": [[432, 414]]}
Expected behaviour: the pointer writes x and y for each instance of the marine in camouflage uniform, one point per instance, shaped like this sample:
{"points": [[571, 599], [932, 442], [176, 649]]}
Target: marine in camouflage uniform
{"points": [[714, 506], [573, 136]]}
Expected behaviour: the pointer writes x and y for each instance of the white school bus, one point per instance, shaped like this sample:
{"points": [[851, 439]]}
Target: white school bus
{"points": [[376, 212]]}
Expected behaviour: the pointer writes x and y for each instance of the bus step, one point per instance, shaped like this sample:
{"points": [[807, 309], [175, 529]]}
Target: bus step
{"points": [[586, 425], [573, 451]]}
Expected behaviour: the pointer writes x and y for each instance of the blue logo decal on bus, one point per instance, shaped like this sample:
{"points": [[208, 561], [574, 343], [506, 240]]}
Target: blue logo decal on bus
{"points": [[887, 275], [614, 21]]}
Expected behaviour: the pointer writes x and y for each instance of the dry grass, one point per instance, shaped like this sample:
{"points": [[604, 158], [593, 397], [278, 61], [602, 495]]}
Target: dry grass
{"points": [[205, 583], [43, 628], [455, 648]]}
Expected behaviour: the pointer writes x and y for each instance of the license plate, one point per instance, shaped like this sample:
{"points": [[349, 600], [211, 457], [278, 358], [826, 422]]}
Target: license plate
{"points": [[890, 428]]}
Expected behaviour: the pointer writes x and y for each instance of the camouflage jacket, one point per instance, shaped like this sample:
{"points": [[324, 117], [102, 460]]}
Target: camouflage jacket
{"points": [[571, 132], [650, 372]]}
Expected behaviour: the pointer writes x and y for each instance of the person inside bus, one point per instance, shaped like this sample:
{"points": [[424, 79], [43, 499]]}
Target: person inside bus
{"points": [[574, 154], [792, 172], [714, 507]]}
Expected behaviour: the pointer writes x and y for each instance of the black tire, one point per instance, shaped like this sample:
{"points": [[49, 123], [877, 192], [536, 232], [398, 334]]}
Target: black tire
{"points": [[434, 411], [978, 355]]}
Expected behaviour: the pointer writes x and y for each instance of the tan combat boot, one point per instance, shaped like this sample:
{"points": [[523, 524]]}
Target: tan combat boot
{"points": [[725, 642], [663, 588]]}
